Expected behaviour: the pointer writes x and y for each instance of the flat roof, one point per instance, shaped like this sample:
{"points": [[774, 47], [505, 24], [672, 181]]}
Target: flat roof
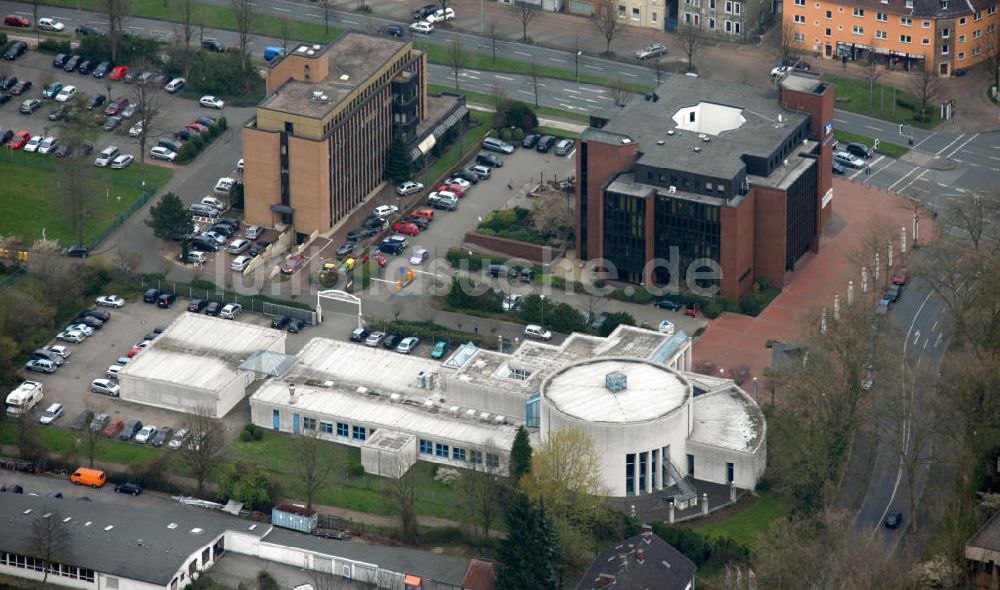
{"points": [[406, 415], [202, 351], [650, 391], [353, 365], [354, 58], [388, 440], [728, 419], [143, 544], [664, 144]]}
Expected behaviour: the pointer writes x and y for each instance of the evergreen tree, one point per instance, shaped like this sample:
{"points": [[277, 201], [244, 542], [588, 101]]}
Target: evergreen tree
{"points": [[169, 217], [527, 556], [520, 455], [399, 168]]}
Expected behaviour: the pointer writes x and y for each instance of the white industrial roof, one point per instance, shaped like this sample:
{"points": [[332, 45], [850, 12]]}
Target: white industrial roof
{"points": [[379, 411], [728, 419], [581, 391], [379, 369], [189, 370]]}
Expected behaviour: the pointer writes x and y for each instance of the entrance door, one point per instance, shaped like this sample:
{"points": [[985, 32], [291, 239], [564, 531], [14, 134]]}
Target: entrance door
{"points": [[295, 423], [277, 420]]}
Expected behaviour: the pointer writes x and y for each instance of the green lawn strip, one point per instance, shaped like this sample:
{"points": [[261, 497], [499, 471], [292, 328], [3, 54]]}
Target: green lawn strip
{"points": [[58, 441], [555, 131], [33, 178], [746, 525], [276, 454], [882, 104], [441, 54], [487, 100], [890, 149], [454, 154]]}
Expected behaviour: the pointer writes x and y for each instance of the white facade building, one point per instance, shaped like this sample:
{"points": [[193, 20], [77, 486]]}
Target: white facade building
{"points": [[195, 362]]}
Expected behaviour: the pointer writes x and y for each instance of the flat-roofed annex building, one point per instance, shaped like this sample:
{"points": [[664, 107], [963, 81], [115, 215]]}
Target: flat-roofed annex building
{"points": [[319, 143]]}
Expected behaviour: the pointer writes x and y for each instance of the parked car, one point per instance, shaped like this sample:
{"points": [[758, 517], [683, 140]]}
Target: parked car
{"points": [[295, 325], [901, 277], [848, 159], [292, 264], [383, 211], [96, 102], [391, 341], [86, 66], [564, 147], [651, 50], [837, 167], [179, 438], [485, 159], [106, 156], [359, 335], [212, 102], [407, 345], [159, 152], [668, 304], [51, 414], [112, 123], [116, 106], [537, 332], [129, 487], [118, 72], [30, 106], [422, 27], [860, 150], [123, 161], [231, 311], [102, 69], [407, 228], [104, 386], [893, 520], [129, 430], [114, 427], [20, 87], [66, 94], [145, 434], [253, 232], [72, 63], [409, 187], [440, 349], [419, 256], [240, 263], [441, 14], [213, 308], [14, 20], [174, 86], [530, 140], [374, 339], [162, 436], [495, 144], [692, 309], [165, 300], [424, 11]]}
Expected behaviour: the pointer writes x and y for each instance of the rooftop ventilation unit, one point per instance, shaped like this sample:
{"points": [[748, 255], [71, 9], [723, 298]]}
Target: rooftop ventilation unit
{"points": [[626, 141], [660, 142], [470, 414], [616, 381], [317, 93], [453, 410], [395, 397], [671, 190], [670, 132], [428, 403], [697, 149], [344, 77], [317, 46], [484, 416], [500, 419], [310, 52], [779, 117], [786, 162], [291, 393]]}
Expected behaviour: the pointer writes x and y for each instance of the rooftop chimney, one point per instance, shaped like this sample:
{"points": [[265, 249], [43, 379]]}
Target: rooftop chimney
{"points": [[640, 555], [647, 531], [291, 393], [604, 580]]}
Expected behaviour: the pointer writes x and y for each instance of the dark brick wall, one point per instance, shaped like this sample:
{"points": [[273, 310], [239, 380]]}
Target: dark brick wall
{"points": [[736, 248], [769, 239], [603, 162], [513, 248]]}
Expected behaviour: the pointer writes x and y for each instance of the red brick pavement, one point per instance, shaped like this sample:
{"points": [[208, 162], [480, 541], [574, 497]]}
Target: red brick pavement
{"points": [[735, 340]]}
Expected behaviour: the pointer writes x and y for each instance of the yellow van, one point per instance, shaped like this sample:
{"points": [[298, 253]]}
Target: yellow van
{"points": [[94, 478]]}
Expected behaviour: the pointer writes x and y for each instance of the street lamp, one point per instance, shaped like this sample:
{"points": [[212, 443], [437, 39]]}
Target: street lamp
{"points": [[578, 54]]}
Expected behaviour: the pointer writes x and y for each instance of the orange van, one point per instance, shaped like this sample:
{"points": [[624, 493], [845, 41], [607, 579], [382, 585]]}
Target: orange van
{"points": [[94, 478]]}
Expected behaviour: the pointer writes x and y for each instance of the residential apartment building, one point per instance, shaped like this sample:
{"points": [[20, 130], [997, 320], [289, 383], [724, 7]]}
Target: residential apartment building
{"points": [[318, 146], [944, 36], [738, 20], [705, 173]]}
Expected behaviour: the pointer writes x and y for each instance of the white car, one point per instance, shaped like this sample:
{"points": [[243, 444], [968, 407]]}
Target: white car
{"points": [[52, 414], [60, 350], [214, 202], [666, 327], [253, 232], [82, 328], [212, 102], [533, 331], [71, 336], [848, 159], [66, 94], [123, 161], [48, 145], [419, 256], [409, 187], [441, 15], [136, 130], [146, 434], [465, 184], [105, 386], [161, 153], [240, 263], [104, 158], [50, 24], [239, 164], [781, 71], [383, 211], [33, 143], [230, 311], [174, 86], [422, 27], [511, 302], [110, 301], [112, 372]]}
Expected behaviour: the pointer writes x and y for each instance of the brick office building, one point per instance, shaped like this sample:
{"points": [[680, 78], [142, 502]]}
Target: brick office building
{"points": [[702, 169], [319, 144]]}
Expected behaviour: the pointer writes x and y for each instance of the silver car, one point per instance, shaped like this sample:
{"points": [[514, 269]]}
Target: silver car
{"points": [[406, 345]]}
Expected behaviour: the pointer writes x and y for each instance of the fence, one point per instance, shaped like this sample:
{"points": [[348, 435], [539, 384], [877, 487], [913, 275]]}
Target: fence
{"points": [[255, 303], [10, 280], [146, 196]]}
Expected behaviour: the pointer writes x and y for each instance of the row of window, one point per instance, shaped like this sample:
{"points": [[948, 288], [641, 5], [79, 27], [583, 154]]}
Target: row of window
{"points": [[731, 7], [905, 21], [730, 26], [443, 451], [344, 430], [55, 569]]}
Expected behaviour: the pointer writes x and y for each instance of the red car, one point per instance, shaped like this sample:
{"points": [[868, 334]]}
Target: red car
{"points": [[134, 351], [20, 138], [902, 276], [427, 214], [13, 20], [407, 228], [692, 309], [292, 264], [113, 428], [380, 260], [452, 188], [196, 128], [118, 72]]}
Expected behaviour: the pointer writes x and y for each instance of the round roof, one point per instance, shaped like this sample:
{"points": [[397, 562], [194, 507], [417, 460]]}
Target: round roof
{"points": [[583, 391]]}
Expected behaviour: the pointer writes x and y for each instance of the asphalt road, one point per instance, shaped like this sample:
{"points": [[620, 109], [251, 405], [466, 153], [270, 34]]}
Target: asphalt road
{"points": [[920, 327]]}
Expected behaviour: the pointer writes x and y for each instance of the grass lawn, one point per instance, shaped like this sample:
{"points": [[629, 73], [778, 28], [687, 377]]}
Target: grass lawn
{"points": [[890, 149], [276, 454], [59, 441], [487, 100], [555, 131], [746, 525], [883, 102], [452, 156], [32, 200]]}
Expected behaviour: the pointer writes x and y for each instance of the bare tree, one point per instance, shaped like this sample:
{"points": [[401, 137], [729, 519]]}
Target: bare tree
{"points": [[331, 581], [76, 176], [206, 445], [243, 11], [494, 36], [187, 10], [147, 101], [117, 11], [34, 19], [92, 437], [326, 6], [482, 486], [49, 539], [620, 92], [870, 67], [458, 58], [30, 446], [991, 61], [283, 25], [692, 38], [788, 48], [576, 56], [400, 492], [500, 101], [526, 11], [443, 4], [925, 87], [606, 19], [312, 462], [534, 80]]}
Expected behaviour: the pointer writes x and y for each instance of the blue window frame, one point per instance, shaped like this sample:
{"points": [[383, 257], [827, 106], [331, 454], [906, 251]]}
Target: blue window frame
{"points": [[476, 457], [326, 427], [426, 447], [309, 423], [441, 450], [358, 433], [458, 454], [630, 474], [493, 461], [342, 429]]}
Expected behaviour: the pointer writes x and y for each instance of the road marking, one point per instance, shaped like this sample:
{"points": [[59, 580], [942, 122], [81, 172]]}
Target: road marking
{"points": [[959, 148], [503, 77], [571, 90], [281, 9], [351, 22], [919, 358], [916, 337], [628, 74], [926, 342], [995, 158], [943, 185], [839, 120], [590, 100], [313, 15], [556, 59], [570, 155], [522, 53], [523, 91], [959, 161], [945, 148], [872, 127], [923, 140], [934, 327], [605, 97], [601, 91], [902, 178], [592, 67], [938, 341]]}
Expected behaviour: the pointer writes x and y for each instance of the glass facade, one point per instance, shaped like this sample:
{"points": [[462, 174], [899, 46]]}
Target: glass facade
{"points": [[342, 429], [426, 447], [643, 464], [625, 235], [630, 474], [358, 433], [690, 227], [800, 216]]}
